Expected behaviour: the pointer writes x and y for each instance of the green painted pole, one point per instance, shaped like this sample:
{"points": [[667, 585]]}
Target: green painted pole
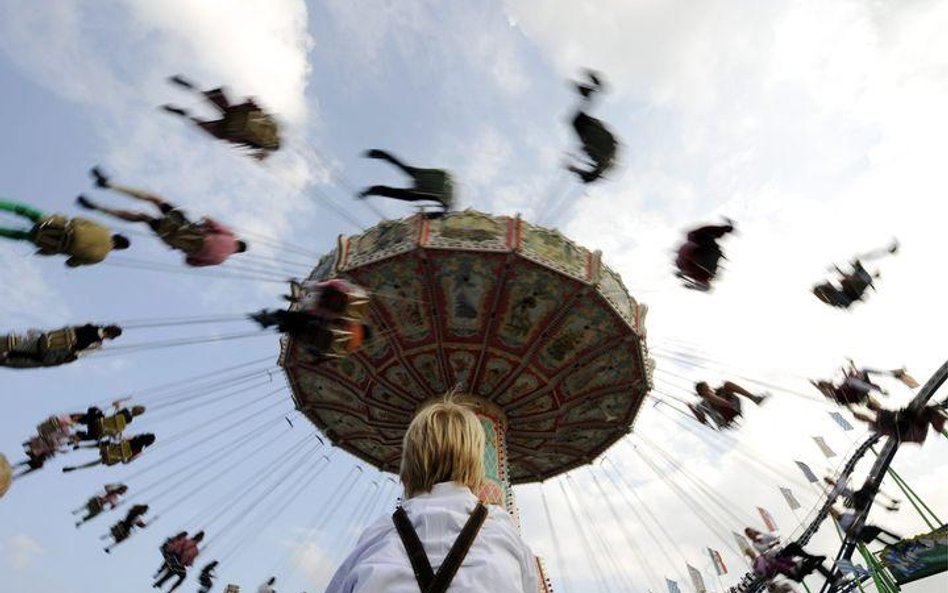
{"points": [[882, 585], [911, 499], [911, 496], [908, 488], [842, 538]]}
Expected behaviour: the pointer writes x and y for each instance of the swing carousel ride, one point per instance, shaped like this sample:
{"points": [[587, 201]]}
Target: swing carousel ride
{"points": [[534, 327], [536, 332]]}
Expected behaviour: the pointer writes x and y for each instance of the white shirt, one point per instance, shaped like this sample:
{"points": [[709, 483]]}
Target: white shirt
{"points": [[265, 588], [766, 544], [498, 561]]}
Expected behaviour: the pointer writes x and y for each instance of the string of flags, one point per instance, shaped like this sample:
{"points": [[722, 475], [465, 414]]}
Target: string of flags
{"points": [[696, 579], [807, 472], [792, 501], [742, 542], [768, 519], [841, 421], [821, 443], [718, 562]]}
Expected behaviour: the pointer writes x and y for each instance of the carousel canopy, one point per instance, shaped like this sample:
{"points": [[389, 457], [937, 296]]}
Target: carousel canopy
{"points": [[488, 305]]}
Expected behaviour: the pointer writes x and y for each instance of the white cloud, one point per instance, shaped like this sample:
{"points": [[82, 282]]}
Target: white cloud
{"points": [[32, 300], [384, 34], [48, 43], [259, 47], [317, 563], [20, 551], [490, 152]]}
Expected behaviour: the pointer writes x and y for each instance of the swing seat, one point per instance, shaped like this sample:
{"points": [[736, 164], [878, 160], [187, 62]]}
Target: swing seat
{"points": [[9, 342], [178, 232], [38, 447], [696, 267], [347, 337], [248, 124], [335, 299], [263, 131], [53, 428], [115, 453], [52, 234], [111, 426], [434, 183], [119, 532], [173, 564], [41, 347], [95, 506], [57, 346]]}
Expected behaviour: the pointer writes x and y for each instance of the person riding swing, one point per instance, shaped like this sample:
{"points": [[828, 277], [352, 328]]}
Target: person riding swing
{"points": [[428, 185], [722, 404], [206, 242], [244, 124], [328, 317], [97, 504], [122, 530], [84, 241], [699, 256], [52, 436], [39, 348], [857, 385], [599, 143], [179, 555], [123, 451], [853, 285], [99, 426], [207, 576], [909, 424]]}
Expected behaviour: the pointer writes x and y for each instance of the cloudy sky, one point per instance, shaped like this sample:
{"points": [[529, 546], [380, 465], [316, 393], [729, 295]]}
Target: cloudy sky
{"points": [[819, 127]]}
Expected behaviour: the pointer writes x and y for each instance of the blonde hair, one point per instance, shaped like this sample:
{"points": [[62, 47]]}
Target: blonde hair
{"points": [[443, 443]]}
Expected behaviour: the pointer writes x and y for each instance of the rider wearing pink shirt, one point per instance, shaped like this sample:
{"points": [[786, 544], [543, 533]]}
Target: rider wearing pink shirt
{"points": [[219, 243], [204, 243]]}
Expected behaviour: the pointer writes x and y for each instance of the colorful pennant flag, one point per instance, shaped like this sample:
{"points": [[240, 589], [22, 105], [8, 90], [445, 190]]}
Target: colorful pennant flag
{"points": [[696, 579], [717, 561], [810, 476], [841, 421], [742, 544], [821, 443], [768, 519], [792, 501], [672, 586]]}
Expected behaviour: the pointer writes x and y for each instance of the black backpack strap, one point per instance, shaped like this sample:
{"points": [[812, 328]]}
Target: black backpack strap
{"points": [[459, 551], [416, 551]]}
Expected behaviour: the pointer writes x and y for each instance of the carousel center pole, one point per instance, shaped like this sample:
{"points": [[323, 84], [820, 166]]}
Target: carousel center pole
{"points": [[496, 489]]}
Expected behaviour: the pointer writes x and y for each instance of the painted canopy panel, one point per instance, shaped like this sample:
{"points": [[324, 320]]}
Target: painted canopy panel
{"points": [[493, 306]]}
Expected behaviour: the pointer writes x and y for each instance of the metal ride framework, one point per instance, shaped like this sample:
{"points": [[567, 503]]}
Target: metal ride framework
{"points": [[752, 583]]}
